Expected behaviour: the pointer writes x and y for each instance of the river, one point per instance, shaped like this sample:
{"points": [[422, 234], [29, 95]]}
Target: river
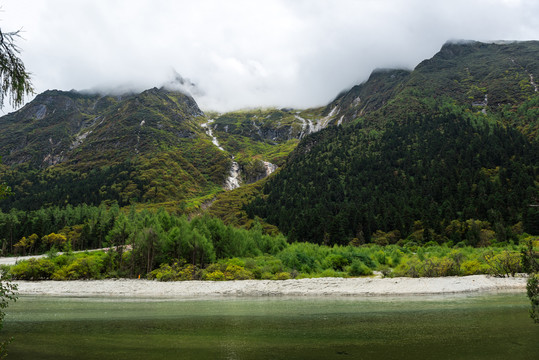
{"points": [[479, 326]]}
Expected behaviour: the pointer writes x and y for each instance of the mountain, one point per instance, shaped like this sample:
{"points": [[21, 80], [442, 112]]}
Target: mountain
{"points": [[71, 147], [494, 77], [59, 126], [446, 151], [154, 147]]}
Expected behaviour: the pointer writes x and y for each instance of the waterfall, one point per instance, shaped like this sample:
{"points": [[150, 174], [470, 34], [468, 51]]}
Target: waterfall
{"points": [[233, 180]]}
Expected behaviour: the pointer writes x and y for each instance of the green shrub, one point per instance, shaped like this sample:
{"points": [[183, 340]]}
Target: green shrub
{"points": [[164, 273], [63, 260], [395, 257], [471, 267], [380, 257], [436, 267], [409, 268], [358, 268], [175, 272], [236, 262], [257, 273], [236, 272], [220, 266], [364, 258], [250, 263], [332, 273], [532, 290], [335, 262], [302, 257], [273, 266]]}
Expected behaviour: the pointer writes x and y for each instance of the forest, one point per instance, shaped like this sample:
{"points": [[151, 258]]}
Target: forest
{"points": [[446, 175], [159, 245]]}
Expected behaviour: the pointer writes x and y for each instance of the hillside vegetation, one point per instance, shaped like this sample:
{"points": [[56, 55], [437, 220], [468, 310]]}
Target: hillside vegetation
{"points": [[442, 157], [453, 141], [70, 148]]}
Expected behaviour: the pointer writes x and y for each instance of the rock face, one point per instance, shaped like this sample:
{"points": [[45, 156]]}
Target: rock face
{"points": [[257, 170], [233, 179], [270, 168], [273, 125]]}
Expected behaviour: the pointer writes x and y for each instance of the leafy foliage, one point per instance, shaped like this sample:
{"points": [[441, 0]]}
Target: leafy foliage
{"points": [[530, 264], [8, 293], [140, 241], [14, 78], [172, 261], [532, 290]]}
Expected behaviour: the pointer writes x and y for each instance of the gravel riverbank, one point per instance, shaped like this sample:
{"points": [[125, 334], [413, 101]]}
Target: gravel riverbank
{"points": [[367, 286]]}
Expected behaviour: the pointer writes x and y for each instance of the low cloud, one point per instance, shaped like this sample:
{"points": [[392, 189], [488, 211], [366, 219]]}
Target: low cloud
{"points": [[247, 53]]}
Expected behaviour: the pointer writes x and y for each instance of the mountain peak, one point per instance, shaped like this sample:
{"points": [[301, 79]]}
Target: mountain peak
{"points": [[57, 125]]}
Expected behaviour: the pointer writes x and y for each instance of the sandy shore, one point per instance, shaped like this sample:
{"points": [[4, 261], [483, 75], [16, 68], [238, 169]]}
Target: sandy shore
{"points": [[302, 287]]}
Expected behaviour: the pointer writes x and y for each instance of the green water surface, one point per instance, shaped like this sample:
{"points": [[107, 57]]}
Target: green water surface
{"points": [[485, 326]]}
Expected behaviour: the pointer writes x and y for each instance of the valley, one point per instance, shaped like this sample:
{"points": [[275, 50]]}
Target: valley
{"points": [[443, 157]]}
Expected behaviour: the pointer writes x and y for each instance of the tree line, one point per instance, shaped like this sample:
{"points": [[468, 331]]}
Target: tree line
{"points": [[155, 237]]}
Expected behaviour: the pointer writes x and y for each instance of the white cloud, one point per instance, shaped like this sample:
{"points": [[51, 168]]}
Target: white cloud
{"points": [[247, 53]]}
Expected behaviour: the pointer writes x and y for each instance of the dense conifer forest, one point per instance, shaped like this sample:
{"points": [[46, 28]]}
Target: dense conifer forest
{"points": [[421, 176]]}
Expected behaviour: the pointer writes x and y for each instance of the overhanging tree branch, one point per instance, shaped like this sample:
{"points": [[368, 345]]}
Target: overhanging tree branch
{"points": [[14, 79]]}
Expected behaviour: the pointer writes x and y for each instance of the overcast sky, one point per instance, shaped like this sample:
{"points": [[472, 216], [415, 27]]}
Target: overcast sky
{"points": [[247, 53]]}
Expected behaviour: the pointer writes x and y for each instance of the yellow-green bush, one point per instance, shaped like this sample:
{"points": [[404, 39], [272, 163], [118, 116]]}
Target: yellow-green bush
{"points": [[333, 273], [174, 272], [32, 269], [282, 276], [236, 272], [436, 267], [408, 268], [266, 276], [472, 267], [81, 268], [216, 275], [504, 264]]}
